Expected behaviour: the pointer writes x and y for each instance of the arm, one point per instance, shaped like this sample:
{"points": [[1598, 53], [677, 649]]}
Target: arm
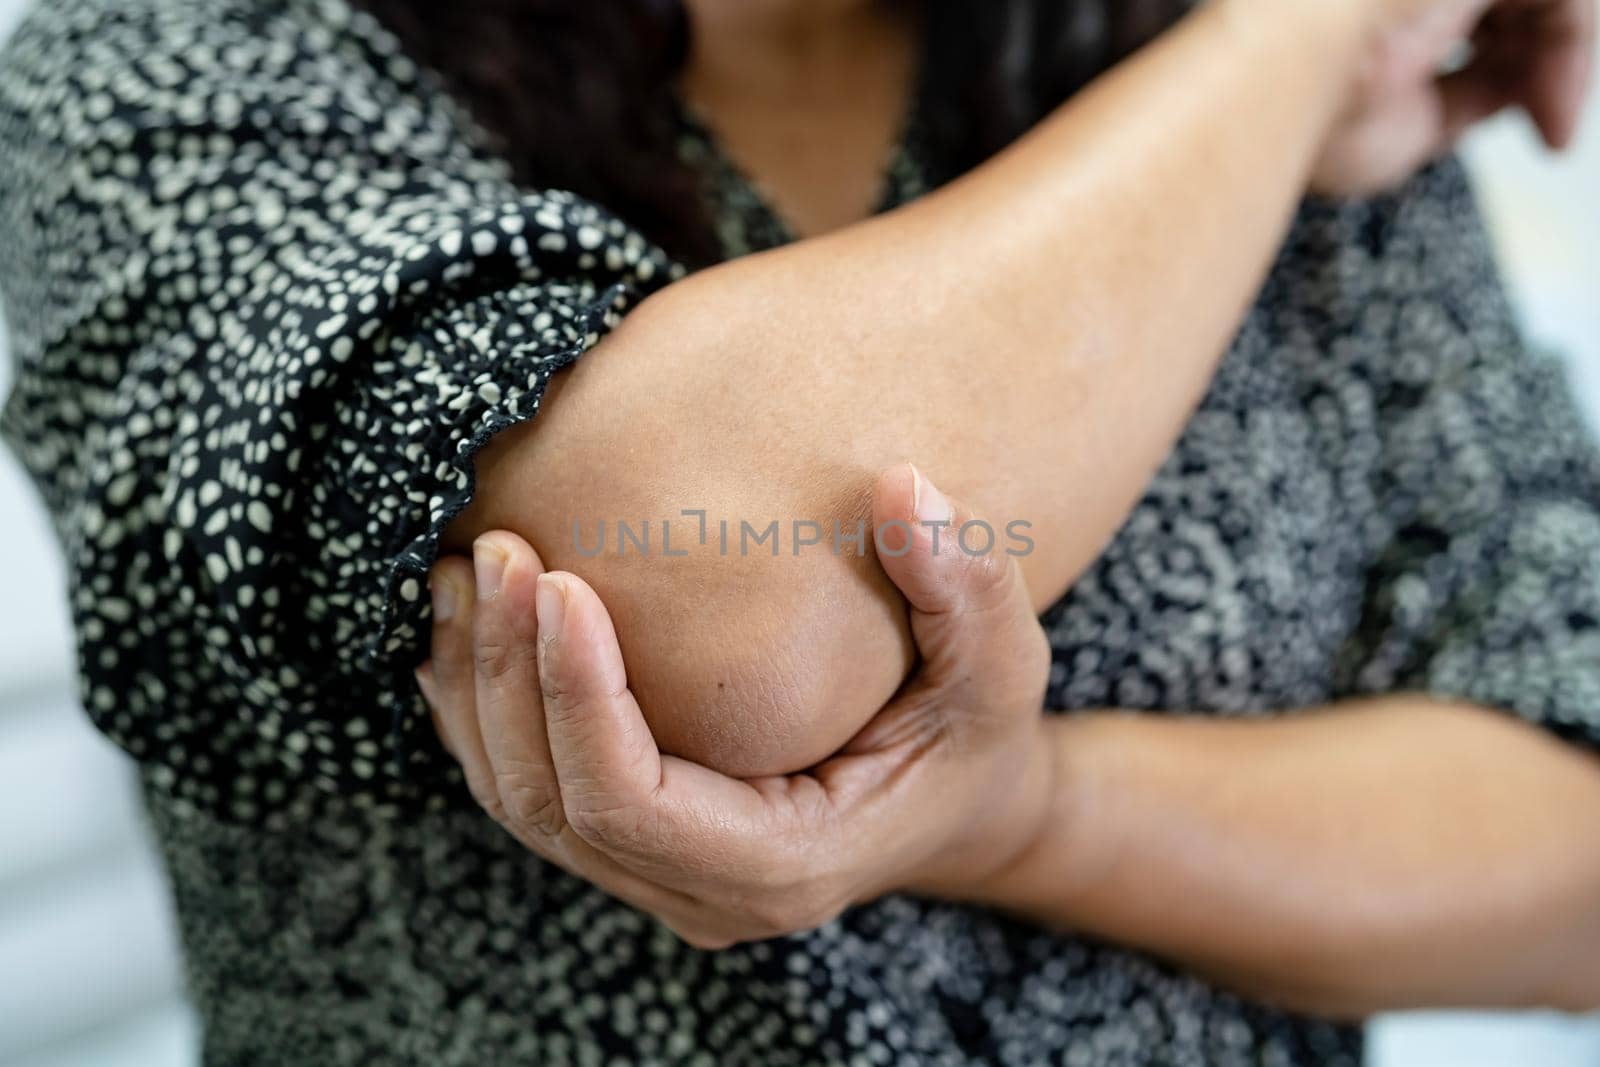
{"points": [[1053, 316], [260, 320], [1398, 850], [1379, 855], [1391, 853]]}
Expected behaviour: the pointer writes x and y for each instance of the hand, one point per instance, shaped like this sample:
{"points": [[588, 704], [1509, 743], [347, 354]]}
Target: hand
{"points": [[1532, 54], [943, 789]]}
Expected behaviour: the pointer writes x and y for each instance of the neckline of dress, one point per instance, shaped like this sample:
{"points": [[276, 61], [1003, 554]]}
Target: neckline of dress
{"points": [[891, 178]]}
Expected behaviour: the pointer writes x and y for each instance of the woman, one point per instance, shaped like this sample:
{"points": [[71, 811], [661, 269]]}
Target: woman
{"points": [[283, 312]]}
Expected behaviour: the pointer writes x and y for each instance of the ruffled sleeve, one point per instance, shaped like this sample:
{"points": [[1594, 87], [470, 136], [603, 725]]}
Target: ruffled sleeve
{"points": [[266, 299]]}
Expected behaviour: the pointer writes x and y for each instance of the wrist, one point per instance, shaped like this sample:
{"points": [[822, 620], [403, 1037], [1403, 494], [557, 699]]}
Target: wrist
{"points": [[1324, 26], [1073, 839], [1035, 823], [1320, 42], [990, 829]]}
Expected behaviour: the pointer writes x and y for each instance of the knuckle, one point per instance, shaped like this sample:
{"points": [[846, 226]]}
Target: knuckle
{"points": [[493, 656], [588, 824], [976, 585], [986, 579], [559, 697], [533, 806], [997, 636], [607, 825]]}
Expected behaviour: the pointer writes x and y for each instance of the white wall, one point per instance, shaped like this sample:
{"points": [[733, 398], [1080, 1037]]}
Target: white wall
{"points": [[89, 969], [89, 975]]}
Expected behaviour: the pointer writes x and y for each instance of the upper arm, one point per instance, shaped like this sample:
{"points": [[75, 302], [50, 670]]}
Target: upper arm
{"points": [[262, 320], [753, 657]]}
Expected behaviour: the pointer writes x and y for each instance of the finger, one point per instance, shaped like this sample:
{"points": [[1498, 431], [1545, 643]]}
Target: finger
{"points": [[675, 818], [970, 612], [510, 728], [510, 714], [1542, 53], [1561, 65], [447, 678], [681, 826], [1463, 99], [1427, 123], [506, 677], [605, 756]]}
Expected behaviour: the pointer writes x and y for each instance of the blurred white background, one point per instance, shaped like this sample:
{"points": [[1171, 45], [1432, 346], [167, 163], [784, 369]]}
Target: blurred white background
{"points": [[89, 971]]}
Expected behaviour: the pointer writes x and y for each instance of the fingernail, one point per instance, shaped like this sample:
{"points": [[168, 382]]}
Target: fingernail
{"points": [[444, 598], [424, 676], [550, 602], [488, 565], [927, 503]]}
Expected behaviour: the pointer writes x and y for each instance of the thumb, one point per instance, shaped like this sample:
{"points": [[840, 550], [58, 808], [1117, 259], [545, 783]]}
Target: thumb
{"points": [[971, 616], [1556, 86], [1464, 99]]}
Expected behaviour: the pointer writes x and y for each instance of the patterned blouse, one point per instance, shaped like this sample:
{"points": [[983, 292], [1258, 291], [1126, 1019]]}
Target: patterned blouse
{"points": [[268, 292]]}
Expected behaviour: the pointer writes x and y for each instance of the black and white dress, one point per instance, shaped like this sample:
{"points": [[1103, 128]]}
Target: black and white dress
{"points": [[267, 293]]}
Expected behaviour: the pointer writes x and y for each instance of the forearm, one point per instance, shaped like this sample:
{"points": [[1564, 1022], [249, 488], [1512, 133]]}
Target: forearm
{"points": [[1104, 264], [1382, 855], [1035, 334]]}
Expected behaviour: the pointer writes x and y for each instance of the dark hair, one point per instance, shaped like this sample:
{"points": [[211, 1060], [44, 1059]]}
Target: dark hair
{"points": [[574, 92]]}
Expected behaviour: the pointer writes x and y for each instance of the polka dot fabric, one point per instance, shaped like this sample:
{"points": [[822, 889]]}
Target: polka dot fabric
{"points": [[267, 301], [267, 294]]}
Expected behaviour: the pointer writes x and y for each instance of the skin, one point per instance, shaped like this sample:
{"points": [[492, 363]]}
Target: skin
{"points": [[1276, 857], [1307, 880], [808, 99], [531, 696], [1074, 259]]}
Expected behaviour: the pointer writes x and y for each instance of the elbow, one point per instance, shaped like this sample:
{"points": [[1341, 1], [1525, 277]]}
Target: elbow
{"points": [[747, 662], [756, 669]]}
